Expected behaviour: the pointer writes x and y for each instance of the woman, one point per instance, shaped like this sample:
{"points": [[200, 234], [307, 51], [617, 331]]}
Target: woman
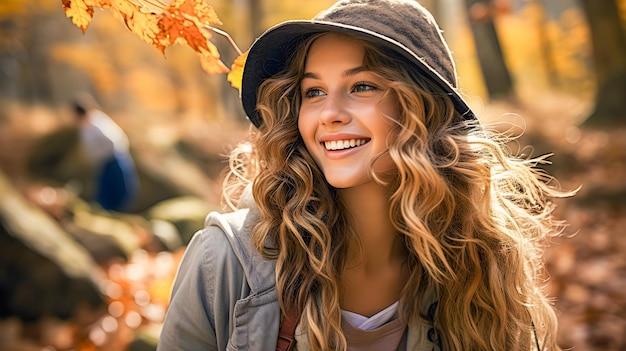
{"points": [[373, 211]]}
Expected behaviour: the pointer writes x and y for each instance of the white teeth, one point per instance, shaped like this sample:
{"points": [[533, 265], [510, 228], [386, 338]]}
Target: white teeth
{"points": [[343, 144]]}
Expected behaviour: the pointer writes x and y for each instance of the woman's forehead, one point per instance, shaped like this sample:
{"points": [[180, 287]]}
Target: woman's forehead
{"points": [[335, 49]]}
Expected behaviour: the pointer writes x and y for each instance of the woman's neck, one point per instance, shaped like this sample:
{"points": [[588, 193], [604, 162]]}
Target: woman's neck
{"points": [[376, 271], [379, 244]]}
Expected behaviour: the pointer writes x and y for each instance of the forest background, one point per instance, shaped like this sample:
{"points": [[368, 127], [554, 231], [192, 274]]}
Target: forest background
{"points": [[74, 277]]}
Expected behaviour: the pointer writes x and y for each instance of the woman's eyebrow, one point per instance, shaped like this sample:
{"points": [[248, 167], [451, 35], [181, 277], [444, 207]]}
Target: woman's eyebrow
{"points": [[353, 71], [346, 73]]}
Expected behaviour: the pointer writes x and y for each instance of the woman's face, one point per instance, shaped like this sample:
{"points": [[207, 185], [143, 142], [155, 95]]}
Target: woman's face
{"points": [[346, 116]]}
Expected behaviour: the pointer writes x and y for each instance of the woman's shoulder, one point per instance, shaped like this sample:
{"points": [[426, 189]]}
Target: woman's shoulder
{"points": [[227, 237]]}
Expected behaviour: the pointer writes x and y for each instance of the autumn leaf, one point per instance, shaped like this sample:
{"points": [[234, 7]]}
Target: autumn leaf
{"points": [[236, 71], [103, 4], [170, 29], [146, 27], [199, 10], [210, 61], [79, 12], [197, 38], [125, 8], [151, 6], [160, 23]]}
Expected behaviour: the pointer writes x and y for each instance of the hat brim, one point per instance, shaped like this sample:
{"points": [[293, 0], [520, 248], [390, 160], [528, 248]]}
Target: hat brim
{"points": [[270, 53]]}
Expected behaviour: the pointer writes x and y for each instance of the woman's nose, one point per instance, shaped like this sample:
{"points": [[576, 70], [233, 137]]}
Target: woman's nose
{"points": [[334, 110]]}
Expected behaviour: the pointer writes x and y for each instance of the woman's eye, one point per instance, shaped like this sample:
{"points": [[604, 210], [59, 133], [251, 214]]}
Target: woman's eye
{"points": [[313, 92], [363, 87]]}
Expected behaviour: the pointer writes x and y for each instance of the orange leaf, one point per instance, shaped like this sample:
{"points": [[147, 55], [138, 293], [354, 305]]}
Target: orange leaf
{"points": [[196, 38], [80, 13], [199, 10], [160, 24], [236, 72], [210, 61], [170, 29], [178, 28]]}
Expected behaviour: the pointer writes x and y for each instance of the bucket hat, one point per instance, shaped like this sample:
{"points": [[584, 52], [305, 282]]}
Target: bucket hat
{"points": [[401, 28]]}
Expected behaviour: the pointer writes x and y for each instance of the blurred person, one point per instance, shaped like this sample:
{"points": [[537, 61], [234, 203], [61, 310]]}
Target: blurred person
{"points": [[106, 147], [370, 209]]}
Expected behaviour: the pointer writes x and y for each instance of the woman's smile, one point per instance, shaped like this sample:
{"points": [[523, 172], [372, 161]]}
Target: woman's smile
{"points": [[344, 144]]}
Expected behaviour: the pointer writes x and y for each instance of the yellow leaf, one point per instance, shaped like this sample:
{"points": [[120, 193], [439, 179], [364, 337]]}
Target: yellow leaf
{"points": [[79, 12], [236, 72], [145, 25], [151, 6], [210, 60], [127, 9], [103, 4]]}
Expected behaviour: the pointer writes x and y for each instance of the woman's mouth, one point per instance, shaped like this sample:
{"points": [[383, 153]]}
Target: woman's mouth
{"points": [[344, 144]]}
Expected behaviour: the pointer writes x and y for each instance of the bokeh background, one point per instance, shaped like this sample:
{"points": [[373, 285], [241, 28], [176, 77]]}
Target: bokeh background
{"points": [[76, 277]]}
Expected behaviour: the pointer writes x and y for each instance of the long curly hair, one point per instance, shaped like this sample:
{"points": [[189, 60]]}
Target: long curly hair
{"points": [[474, 217]]}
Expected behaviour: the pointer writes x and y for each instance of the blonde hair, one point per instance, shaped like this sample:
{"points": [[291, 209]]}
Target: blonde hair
{"points": [[473, 217]]}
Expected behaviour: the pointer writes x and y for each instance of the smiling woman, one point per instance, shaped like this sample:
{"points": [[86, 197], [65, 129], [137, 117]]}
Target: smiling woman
{"points": [[371, 211]]}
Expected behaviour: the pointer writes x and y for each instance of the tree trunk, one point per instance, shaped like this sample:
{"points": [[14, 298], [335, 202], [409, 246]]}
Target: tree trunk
{"points": [[609, 55], [497, 77], [545, 47], [257, 16]]}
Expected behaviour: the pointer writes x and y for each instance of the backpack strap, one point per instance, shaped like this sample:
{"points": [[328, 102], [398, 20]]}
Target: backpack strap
{"points": [[539, 348], [286, 340]]}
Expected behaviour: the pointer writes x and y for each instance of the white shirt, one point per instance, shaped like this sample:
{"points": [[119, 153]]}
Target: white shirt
{"points": [[370, 323], [101, 138]]}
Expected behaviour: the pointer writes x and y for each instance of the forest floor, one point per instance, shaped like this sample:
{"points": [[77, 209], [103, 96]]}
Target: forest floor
{"points": [[586, 265]]}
